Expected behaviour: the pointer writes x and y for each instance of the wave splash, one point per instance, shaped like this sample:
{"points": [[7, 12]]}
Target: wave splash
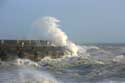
{"points": [[47, 28]]}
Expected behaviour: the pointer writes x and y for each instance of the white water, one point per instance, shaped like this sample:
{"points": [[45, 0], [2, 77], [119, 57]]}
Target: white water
{"points": [[48, 28], [24, 71], [27, 71]]}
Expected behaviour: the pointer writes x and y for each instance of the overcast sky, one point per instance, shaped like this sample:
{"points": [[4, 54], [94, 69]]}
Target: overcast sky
{"points": [[82, 20]]}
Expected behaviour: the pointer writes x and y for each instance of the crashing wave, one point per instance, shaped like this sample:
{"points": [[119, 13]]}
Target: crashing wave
{"points": [[26, 74]]}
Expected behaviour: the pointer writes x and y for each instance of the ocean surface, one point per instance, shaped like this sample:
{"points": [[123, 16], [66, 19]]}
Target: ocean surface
{"points": [[95, 63]]}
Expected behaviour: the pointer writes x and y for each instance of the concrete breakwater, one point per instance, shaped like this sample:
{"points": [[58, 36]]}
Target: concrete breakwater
{"points": [[31, 49]]}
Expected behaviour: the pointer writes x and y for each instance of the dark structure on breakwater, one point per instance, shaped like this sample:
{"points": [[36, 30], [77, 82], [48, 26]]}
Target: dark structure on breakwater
{"points": [[31, 49]]}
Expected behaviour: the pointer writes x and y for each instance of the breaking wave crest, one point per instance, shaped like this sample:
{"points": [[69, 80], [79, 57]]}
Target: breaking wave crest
{"points": [[24, 71]]}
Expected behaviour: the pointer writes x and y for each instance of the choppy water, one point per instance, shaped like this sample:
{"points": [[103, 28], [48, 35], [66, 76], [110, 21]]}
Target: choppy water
{"points": [[99, 64]]}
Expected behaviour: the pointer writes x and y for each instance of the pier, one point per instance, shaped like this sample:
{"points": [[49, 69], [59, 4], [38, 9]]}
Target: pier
{"points": [[31, 49]]}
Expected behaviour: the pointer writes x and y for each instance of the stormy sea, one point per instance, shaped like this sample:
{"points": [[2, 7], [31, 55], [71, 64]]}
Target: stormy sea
{"points": [[104, 63], [86, 63]]}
